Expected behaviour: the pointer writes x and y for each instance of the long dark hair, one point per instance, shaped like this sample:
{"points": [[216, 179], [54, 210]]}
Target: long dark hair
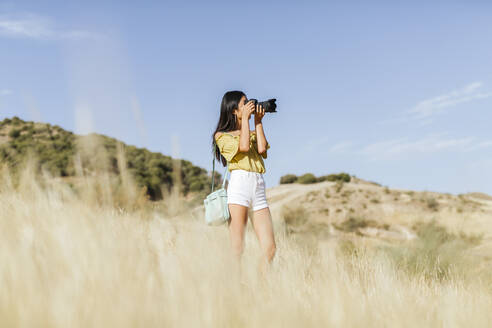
{"points": [[227, 119]]}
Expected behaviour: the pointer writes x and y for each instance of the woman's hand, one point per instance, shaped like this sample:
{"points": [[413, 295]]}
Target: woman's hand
{"points": [[247, 110], [259, 113]]}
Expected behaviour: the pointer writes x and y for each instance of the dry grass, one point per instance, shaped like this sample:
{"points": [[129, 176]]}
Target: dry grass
{"points": [[106, 257]]}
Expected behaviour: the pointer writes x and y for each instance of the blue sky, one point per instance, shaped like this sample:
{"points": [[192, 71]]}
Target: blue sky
{"points": [[400, 94]]}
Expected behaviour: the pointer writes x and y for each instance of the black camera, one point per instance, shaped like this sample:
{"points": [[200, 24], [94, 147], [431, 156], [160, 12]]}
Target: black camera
{"points": [[269, 105]]}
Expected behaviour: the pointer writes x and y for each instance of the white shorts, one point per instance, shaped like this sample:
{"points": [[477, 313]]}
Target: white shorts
{"points": [[246, 188]]}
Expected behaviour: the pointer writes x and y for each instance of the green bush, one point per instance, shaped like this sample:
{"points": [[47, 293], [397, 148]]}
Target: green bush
{"points": [[295, 216], [310, 178], [41, 130], [196, 186], [14, 133], [335, 177], [288, 178], [16, 120], [352, 224], [432, 204], [344, 177], [307, 178]]}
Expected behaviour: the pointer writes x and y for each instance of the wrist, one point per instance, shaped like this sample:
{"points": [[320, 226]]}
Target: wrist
{"points": [[258, 121]]}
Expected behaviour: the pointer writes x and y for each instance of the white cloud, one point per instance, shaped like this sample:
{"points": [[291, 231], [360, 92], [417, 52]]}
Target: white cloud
{"points": [[5, 92], [316, 143], [37, 27], [432, 144], [323, 144], [341, 146], [430, 107], [481, 145], [399, 148]]}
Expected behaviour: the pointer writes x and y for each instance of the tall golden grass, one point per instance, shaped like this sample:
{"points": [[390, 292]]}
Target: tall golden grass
{"points": [[104, 256]]}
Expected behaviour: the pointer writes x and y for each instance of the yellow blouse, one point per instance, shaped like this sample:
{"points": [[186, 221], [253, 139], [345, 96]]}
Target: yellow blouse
{"points": [[250, 161]]}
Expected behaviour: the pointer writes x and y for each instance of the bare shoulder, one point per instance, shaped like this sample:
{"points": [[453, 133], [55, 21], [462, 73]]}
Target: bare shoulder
{"points": [[217, 134]]}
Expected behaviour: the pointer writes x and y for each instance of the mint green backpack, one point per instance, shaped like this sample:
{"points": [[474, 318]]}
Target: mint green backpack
{"points": [[216, 209]]}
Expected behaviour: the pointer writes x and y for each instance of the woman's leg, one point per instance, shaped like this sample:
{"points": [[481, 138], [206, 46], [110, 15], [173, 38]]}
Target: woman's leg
{"points": [[237, 224], [263, 226]]}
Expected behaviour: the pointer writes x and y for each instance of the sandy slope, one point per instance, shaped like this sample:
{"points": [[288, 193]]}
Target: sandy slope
{"points": [[328, 204]]}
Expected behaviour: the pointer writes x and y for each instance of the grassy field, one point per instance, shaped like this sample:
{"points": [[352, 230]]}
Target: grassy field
{"points": [[104, 257]]}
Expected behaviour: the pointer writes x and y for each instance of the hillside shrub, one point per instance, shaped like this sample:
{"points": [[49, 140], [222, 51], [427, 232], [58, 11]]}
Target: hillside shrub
{"points": [[307, 178], [432, 204], [295, 215], [338, 177], [16, 120], [311, 178], [14, 133], [353, 223], [196, 186], [288, 178]]}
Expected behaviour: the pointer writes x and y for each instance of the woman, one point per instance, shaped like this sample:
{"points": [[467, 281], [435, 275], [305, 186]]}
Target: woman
{"points": [[245, 150]]}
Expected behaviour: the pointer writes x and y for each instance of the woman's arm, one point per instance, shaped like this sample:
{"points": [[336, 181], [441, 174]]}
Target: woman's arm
{"points": [[261, 141], [244, 136], [260, 138], [244, 133]]}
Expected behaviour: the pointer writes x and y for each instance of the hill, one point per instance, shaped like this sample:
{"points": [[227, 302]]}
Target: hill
{"points": [[367, 211], [57, 151]]}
